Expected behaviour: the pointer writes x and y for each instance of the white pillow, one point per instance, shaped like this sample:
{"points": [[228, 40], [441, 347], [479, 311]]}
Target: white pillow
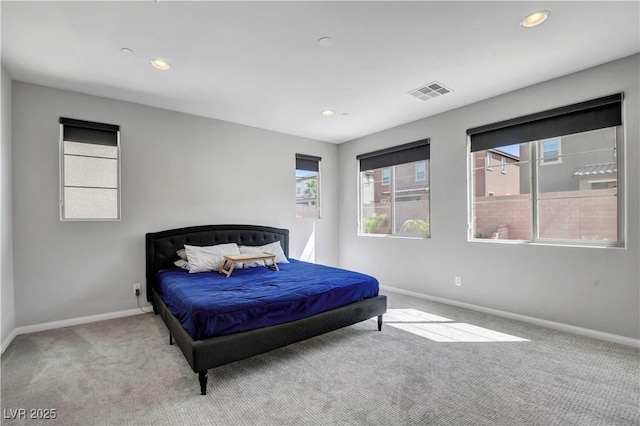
{"points": [[273, 248], [250, 249], [208, 258], [181, 263], [182, 254]]}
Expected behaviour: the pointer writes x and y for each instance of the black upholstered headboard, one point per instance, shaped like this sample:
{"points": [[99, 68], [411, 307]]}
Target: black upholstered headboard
{"points": [[161, 246]]}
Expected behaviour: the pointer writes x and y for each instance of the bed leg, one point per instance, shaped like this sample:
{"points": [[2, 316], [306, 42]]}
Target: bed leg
{"points": [[170, 339], [202, 377], [379, 322]]}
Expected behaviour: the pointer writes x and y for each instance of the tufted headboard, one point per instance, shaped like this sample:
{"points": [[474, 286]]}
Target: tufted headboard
{"points": [[161, 246]]}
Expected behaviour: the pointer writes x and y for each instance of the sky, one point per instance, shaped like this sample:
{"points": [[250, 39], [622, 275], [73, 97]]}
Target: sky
{"points": [[511, 149]]}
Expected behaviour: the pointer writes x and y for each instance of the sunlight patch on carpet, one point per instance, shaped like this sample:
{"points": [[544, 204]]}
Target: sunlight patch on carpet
{"points": [[440, 329]]}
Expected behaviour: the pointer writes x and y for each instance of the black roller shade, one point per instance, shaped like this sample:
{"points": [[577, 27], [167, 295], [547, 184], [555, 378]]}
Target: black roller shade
{"points": [[307, 162], [89, 132], [581, 117], [407, 153]]}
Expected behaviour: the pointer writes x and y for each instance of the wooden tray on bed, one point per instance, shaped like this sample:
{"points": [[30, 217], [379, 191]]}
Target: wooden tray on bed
{"points": [[246, 258]]}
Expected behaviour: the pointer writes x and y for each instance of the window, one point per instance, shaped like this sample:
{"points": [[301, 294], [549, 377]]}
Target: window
{"points": [[489, 160], [307, 186], [421, 171], [392, 202], [550, 151], [386, 176], [503, 165], [89, 170], [561, 182]]}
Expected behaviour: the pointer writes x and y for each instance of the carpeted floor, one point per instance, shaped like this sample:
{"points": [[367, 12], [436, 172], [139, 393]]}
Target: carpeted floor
{"points": [[123, 372]]}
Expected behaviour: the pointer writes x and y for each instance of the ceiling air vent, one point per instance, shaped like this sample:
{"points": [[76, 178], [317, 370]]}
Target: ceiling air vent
{"points": [[429, 91]]}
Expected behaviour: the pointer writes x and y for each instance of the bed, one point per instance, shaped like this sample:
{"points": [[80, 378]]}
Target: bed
{"points": [[234, 340]]}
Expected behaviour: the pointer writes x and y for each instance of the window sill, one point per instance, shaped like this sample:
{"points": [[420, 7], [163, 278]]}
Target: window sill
{"points": [[549, 163], [548, 244], [401, 237]]}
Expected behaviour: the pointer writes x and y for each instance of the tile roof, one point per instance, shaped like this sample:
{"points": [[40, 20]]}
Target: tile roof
{"points": [[596, 169], [409, 189]]}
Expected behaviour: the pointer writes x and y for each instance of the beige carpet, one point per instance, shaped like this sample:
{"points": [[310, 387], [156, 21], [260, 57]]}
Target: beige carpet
{"points": [[470, 369]]}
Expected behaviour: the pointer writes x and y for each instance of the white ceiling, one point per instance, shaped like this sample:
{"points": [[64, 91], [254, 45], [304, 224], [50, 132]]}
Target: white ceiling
{"points": [[259, 63]]}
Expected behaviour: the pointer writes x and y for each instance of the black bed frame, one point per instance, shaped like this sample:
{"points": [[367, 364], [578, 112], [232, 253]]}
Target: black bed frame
{"points": [[213, 352]]}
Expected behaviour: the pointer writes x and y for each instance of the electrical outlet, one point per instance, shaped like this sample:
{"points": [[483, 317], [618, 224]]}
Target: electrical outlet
{"points": [[136, 289], [458, 281]]}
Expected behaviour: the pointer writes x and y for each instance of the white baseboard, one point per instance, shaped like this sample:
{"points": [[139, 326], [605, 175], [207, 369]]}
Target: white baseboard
{"points": [[67, 323], [6, 342], [524, 318]]}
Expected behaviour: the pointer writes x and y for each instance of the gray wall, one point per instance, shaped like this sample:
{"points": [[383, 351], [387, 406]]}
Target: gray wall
{"points": [[595, 288], [177, 170], [8, 319]]}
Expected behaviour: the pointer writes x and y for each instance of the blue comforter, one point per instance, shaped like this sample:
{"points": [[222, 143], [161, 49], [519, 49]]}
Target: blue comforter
{"points": [[210, 304]]}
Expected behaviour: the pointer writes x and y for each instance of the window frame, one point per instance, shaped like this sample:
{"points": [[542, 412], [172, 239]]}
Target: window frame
{"points": [[542, 151], [535, 160], [392, 158], [80, 124], [385, 179], [424, 172], [301, 160]]}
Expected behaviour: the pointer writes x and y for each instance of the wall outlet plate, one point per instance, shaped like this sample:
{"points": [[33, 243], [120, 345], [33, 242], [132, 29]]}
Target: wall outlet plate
{"points": [[136, 287], [458, 281]]}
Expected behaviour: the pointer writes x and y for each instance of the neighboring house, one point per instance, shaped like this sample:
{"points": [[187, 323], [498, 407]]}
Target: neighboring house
{"points": [[574, 162], [597, 176], [411, 181], [496, 173]]}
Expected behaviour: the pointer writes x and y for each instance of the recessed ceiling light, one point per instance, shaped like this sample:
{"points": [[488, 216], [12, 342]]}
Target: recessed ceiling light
{"points": [[325, 42], [161, 64], [535, 19], [126, 51], [328, 112]]}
